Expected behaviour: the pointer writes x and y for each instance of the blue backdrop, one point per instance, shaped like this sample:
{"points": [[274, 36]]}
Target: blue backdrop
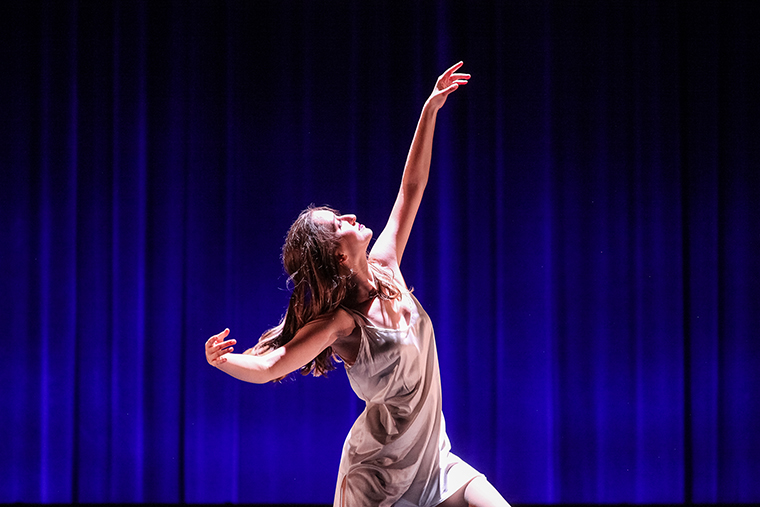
{"points": [[587, 247]]}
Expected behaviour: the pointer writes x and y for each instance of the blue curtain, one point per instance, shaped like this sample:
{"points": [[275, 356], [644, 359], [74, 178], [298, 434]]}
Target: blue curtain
{"points": [[587, 247]]}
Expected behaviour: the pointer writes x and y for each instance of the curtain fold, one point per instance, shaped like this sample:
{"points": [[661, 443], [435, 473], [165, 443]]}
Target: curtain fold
{"points": [[587, 247]]}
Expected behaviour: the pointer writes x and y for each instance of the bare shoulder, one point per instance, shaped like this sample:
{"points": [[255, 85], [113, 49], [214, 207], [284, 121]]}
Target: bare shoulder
{"points": [[346, 345], [385, 257], [338, 323], [344, 322], [391, 268]]}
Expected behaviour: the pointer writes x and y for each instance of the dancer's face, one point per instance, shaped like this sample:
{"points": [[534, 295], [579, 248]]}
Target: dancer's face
{"points": [[352, 236]]}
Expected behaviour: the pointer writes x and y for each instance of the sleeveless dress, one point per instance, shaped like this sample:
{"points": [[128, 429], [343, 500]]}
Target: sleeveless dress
{"points": [[397, 452]]}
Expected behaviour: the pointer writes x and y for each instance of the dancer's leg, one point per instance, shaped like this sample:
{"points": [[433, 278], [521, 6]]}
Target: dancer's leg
{"points": [[477, 493], [480, 493]]}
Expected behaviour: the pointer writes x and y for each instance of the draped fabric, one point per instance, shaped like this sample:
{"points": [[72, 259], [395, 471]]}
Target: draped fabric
{"points": [[587, 247]]}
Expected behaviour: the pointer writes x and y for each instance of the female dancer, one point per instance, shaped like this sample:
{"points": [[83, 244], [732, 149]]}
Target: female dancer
{"points": [[357, 308]]}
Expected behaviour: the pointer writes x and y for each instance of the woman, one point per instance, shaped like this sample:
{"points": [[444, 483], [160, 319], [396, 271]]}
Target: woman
{"points": [[358, 308]]}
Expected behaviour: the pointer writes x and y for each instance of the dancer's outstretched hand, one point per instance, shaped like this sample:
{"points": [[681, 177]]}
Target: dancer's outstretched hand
{"points": [[217, 348], [447, 82]]}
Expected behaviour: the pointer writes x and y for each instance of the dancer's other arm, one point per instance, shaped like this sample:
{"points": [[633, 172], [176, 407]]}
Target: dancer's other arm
{"points": [[307, 344]]}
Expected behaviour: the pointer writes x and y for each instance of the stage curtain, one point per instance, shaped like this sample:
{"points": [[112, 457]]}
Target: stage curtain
{"points": [[587, 246]]}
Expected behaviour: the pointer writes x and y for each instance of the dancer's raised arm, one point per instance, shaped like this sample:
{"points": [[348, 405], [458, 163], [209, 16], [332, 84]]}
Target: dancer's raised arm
{"points": [[390, 245]]}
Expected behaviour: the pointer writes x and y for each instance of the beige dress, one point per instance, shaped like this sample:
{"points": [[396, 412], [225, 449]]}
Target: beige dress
{"points": [[397, 452]]}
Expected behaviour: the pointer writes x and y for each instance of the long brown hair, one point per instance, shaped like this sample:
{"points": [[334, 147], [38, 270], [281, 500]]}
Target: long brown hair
{"points": [[317, 286]]}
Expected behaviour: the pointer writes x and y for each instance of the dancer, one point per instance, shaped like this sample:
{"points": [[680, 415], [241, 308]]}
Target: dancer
{"points": [[357, 308]]}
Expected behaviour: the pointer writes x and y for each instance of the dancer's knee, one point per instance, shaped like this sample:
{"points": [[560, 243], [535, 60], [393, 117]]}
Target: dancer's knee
{"points": [[481, 493]]}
